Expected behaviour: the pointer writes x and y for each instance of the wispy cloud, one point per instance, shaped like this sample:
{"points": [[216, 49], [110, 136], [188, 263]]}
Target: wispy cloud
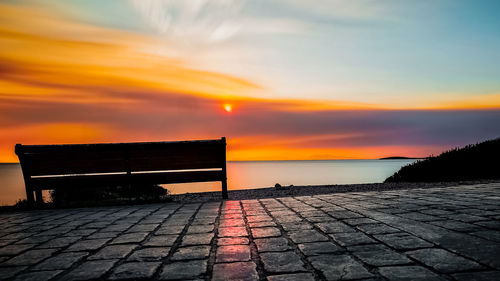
{"points": [[208, 21]]}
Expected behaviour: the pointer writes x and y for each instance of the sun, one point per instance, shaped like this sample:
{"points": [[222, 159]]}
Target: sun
{"points": [[228, 107]]}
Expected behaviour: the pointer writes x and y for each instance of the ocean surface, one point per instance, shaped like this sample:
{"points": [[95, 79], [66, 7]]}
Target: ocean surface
{"points": [[250, 174]]}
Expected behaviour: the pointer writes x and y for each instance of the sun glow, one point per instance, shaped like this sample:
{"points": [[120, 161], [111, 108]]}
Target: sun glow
{"points": [[228, 107]]}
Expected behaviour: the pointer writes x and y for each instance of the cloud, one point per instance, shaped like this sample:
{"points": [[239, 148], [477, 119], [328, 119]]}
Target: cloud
{"points": [[209, 21], [98, 85]]}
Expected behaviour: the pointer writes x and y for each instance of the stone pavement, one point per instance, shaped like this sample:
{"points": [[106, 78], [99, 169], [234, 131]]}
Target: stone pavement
{"points": [[420, 234]]}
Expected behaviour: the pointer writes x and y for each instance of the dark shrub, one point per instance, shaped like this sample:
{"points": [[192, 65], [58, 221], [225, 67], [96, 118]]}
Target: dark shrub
{"points": [[472, 162], [109, 195]]}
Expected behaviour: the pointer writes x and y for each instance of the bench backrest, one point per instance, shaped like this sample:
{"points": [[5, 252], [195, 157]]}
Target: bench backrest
{"points": [[41, 160]]}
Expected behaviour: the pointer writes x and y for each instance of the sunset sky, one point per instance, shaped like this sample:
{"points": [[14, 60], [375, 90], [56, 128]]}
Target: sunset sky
{"points": [[281, 79]]}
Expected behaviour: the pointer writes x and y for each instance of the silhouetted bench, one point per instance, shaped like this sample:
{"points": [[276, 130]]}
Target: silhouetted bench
{"points": [[76, 165]]}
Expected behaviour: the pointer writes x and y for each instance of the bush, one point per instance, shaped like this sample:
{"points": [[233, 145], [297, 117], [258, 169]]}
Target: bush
{"points": [[472, 162], [141, 193]]}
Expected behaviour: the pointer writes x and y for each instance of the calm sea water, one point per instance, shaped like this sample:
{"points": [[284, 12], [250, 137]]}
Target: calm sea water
{"points": [[251, 174]]}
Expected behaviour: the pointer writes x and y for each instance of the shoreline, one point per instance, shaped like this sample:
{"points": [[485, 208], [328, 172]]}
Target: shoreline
{"points": [[272, 192], [308, 190]]}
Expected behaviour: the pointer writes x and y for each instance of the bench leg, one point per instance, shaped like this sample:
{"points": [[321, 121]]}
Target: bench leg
{"points": [[30, 196], [39, 198], [224, 189]]}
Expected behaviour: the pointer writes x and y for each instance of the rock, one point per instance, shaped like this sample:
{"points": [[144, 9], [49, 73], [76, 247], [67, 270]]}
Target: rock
{"points": [[280, 187]]}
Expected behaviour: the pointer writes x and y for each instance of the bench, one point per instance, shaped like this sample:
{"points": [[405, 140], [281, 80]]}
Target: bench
{"points": [[75, 165]]}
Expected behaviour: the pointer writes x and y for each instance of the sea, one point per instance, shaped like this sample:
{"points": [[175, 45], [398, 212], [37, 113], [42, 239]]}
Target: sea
{"points": [[251, 174]]}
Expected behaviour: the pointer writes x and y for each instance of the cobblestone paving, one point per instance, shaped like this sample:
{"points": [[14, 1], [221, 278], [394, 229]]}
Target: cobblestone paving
{"points": [[421, 234]]}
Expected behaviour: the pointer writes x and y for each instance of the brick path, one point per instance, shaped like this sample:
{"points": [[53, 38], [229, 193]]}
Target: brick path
{"points": [[421, 234]]}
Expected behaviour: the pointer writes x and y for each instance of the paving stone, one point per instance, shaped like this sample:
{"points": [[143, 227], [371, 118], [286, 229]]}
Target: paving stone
{"points": [[134, 271], [478, 276], [408, 273], [5, 242], [276, 262], [161, 240], [263, 232], [419, 216], [306, 236], [258, 218], [382, 257], [317, 219], [193, 252], [312, 212], [200, 228], [312, 249], [60, 242], [465, 217], [99, 235], [90, 270], [142, 228], [358, 221], [296, 226], [183, 270], [261, 224], [9, 272], [473, 247], [113, 252], [231, 216], [233, 253], [335, 227], [149, 254], [165, 230], [351, 239], [292, 277], [339, 267], [232, 231], [368, 248], [443, 261], [35, 239], [197, 239], [458, 226], [11, 250], [403, 241], [135, 237], [288, 219], [115, 228], [489, 224], [436, 212], [488, 234], [38, 275], [88, 245], [232, 241], [344, 214], [237, 271], [276, 244], [61, 261], [377, 228], [80, 232], [231, 222], [30, 257]]}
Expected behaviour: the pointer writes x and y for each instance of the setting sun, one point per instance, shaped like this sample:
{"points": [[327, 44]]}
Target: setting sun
{"points": [[228, 107]]}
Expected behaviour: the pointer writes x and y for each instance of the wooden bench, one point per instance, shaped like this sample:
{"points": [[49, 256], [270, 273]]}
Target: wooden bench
{"points": [[71, 166]]}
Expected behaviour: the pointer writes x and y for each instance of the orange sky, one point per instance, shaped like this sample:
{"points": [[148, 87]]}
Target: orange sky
{"points": [[63, 81]]}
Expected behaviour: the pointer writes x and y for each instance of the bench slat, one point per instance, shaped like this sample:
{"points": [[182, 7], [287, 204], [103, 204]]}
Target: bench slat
{"points": [[107, 158], [146, 178]]}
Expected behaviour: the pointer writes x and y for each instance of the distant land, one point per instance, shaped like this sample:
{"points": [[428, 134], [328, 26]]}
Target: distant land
{"points": [[398, 157], [472, 162]]}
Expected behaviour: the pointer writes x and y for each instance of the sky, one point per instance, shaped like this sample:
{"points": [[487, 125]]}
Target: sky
{"points": [[281, 79]]}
